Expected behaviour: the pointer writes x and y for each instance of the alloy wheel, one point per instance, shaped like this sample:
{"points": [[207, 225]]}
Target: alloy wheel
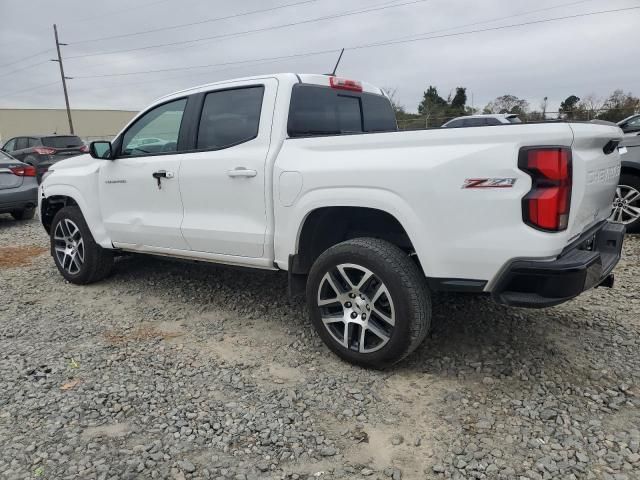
{"points": [[356, 308], [69, 246], [626, 205]]}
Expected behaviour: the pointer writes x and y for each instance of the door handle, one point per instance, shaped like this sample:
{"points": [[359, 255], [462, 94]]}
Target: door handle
{"points": [[241, 172], [162, 174]]}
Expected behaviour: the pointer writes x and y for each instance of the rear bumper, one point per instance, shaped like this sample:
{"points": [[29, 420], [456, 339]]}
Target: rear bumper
{"points": [[583, 265], [20, 198]]}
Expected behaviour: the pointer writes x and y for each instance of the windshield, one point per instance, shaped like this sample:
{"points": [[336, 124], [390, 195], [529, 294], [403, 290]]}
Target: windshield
{"points": [[62, 142]]}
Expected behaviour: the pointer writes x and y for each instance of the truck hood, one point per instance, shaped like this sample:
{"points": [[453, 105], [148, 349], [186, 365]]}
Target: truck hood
{"points": [[74, 162]]}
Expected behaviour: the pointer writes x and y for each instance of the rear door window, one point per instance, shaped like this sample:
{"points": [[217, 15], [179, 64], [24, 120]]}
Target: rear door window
{"points": [[21, 143], [62, 142], [230, 117]]}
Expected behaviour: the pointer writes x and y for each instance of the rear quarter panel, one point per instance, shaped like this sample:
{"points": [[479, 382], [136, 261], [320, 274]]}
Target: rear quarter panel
{"points": [[417, 177]]}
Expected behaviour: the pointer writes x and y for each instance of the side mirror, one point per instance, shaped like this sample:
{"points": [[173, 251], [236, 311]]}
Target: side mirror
{"points": [[101, 150]]}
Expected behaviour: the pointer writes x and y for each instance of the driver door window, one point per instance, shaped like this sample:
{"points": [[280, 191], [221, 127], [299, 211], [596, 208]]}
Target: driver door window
{"points": [[156, 132]]}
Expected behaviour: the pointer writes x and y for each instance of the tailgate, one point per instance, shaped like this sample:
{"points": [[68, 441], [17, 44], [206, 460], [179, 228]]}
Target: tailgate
{"points": [[8, 179], [596, 171]]}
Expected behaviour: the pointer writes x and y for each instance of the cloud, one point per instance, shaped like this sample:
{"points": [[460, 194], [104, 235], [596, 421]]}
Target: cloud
{"points": [[556, 59]]}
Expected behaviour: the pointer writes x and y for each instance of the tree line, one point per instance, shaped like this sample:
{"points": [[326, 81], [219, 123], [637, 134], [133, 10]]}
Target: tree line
{"points": [[434, 110]]}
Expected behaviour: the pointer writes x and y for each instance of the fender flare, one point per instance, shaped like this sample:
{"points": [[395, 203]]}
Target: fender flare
{"points": [[91, 213], [378, 199]]}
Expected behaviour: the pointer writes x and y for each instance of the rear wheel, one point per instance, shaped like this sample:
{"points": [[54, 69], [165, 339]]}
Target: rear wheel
{"points": [[369, 302], [626, 205], [78, 257], [24, 214]]}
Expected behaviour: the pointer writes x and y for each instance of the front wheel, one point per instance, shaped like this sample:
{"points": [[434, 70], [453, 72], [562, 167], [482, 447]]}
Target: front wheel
{"points": [[369, 302], [78, 257], [626, 205]]}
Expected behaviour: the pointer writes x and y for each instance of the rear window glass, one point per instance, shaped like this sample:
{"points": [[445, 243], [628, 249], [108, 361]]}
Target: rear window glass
{"points": [[4, 156], [317, 110], [514, 119], [62, 142]]}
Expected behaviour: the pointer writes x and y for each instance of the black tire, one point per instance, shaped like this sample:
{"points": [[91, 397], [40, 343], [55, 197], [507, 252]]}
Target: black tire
{"points": [[97, 260], [405, 283], [634, 182], [25, 214]]}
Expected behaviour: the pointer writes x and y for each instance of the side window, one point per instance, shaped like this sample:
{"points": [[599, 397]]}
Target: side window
{"points": [[230, 117], [21, 143], [10, 146], [475, 122], [633, 124], [492, 121], [33, 142], [455, 124], [156, 131]]}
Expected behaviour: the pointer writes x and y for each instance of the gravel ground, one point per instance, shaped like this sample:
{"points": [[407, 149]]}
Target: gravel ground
{"points": [[184, 371]]}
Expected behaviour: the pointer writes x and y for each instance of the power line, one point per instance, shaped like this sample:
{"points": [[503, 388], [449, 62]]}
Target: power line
{"points": [[423, 36], [26, 58], [464, 25], [245, 32], [490, 29], [372, 45], [497, 19], [200, 22], [121, 10], [37, 87], [224, 64], [27, 67]]}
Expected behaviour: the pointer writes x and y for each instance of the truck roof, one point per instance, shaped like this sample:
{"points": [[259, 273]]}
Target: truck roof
{"points": [[291, 78]]}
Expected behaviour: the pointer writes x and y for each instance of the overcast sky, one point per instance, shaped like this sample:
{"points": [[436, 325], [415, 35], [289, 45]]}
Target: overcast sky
{"points": [[579, 56]]}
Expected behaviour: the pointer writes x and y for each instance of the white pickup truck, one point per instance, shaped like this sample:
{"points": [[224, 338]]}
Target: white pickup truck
{"points": [[308, 174]]}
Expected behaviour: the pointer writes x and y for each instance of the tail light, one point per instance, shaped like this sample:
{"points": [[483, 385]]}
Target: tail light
{"points": [[44, 150], [546, 207], [26, 171], [84, 149], [344, 84]]}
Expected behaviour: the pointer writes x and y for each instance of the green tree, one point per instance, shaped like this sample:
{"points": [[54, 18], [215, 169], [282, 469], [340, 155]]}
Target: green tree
{"points": [[569, 107], [619, 105], [433, 107], [459, 101], [508, 104]]}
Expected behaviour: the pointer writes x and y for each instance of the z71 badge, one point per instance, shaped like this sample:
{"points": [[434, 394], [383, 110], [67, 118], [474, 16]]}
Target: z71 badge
{"points": [[489, 183]]}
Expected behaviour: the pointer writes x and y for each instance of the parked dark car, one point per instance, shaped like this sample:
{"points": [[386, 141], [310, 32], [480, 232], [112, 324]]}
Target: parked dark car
{"points": [[42, 151], [18, 188], [626, 205]]}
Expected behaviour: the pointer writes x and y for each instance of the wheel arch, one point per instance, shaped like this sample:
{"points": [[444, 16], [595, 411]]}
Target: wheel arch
{"points": [[56, 197], [324, 227], [630, 168]]}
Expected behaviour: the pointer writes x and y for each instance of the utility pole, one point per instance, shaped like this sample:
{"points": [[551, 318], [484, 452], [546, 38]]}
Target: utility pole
{"points": [[64, 79]]}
